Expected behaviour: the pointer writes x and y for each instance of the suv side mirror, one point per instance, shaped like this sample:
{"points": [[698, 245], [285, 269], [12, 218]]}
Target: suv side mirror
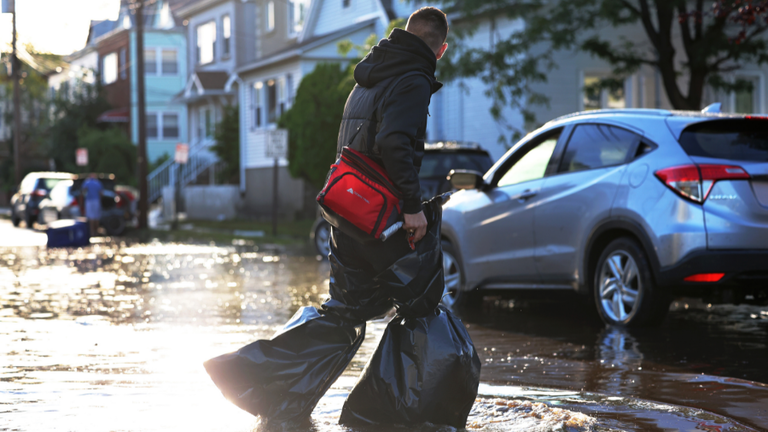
{"points": [[466, 179]]}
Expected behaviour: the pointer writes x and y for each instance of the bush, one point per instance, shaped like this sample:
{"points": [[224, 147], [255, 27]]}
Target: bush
{"points": [[109, 151], [227, 146], [313, 122]]}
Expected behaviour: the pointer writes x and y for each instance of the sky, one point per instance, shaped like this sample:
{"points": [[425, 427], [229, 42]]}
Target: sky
{"points": [[56, 26]]}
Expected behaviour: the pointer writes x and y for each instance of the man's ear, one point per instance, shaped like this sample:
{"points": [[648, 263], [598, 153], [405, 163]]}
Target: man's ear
{"points": [[441, 51]]}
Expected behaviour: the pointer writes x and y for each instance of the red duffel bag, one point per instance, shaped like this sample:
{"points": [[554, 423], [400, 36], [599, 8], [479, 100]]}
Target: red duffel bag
{"points": [[359, 198]]}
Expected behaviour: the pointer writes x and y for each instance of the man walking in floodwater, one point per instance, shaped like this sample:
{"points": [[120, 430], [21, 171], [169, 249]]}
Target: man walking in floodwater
{"points": [[395, 139], [433, 372]]}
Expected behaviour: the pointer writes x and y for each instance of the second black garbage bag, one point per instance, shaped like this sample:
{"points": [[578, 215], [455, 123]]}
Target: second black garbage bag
{"points": [[424, 370]]}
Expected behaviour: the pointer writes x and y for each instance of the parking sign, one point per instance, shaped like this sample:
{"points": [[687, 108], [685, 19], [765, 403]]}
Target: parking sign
{"points": [[81, 156], [277, 143]]}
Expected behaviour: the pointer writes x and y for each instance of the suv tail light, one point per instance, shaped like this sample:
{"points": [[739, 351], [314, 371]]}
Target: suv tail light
{"points": [[694, 182], [39, 193]]}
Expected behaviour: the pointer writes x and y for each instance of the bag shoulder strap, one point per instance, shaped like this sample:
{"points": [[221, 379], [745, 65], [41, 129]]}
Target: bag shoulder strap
{"points": [[380, 102]]}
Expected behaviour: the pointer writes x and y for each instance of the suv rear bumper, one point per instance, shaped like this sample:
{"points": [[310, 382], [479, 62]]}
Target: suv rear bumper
{"points": [[742, 268]]}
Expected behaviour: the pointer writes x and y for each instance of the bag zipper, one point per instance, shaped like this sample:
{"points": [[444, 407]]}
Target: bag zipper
{"points": [[359, 164]]}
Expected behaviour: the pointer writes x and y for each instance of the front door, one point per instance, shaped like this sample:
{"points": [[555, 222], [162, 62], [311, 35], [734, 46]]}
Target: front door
{"points": [[499, 241]]}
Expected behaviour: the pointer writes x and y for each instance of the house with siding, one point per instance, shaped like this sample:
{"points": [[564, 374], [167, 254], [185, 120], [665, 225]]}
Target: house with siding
{"points": [[221, 37], [110, 56]]}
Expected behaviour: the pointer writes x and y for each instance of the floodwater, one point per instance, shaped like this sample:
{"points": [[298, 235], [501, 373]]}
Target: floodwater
{"points": [[112, 338]]}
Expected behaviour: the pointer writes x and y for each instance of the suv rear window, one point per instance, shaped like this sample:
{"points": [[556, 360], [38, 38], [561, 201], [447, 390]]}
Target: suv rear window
{"points": [[439, 164], [744, 140]]}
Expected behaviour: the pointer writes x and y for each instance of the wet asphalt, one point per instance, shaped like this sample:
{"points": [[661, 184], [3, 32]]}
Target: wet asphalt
{"points": [[112, 337]]}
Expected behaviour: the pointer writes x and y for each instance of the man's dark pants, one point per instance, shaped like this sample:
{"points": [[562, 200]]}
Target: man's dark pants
{"points": [[354, 293]]}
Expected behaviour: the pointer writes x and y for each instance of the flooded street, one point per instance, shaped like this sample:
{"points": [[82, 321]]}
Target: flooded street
{"points": [[113, 337]]}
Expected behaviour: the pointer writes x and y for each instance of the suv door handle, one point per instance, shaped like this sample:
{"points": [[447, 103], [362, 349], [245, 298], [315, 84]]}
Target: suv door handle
{"points": [[525, 195]]}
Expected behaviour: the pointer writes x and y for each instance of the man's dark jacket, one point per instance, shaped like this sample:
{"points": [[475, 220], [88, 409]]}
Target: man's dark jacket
{"points": [[395, 137]]}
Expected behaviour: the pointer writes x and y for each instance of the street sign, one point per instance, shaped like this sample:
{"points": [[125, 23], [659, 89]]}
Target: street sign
{"points": [[182, 153], [8, 6], [277, 143], [81, 156]]}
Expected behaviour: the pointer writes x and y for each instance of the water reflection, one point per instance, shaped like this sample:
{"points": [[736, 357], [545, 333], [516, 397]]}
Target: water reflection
{"points": [[113, 337]]}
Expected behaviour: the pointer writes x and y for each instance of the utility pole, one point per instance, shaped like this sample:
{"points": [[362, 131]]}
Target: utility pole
{"points": [[142, 150], [15, 70]]}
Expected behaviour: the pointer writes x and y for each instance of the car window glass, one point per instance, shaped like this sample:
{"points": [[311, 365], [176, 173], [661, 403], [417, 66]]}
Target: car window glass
{"points": [[47, 183], [60, 192], [595, 146], [439, 164], [532, 165]]}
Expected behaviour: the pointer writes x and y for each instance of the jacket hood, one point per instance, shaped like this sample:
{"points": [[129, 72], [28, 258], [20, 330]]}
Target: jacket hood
{"points": [[400, 53]]}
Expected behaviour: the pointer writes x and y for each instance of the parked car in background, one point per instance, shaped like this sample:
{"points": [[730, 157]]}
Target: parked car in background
{"points": [[630, 207], [65, 201], [439, 159], [33, 189], [442, 157]]}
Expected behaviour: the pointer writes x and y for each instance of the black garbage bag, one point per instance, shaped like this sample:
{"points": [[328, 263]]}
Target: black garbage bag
{"points": [[424, 370], [282, 379]]}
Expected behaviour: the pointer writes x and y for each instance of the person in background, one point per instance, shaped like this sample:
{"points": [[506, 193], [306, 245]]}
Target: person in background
{"points": [[93, 189]]}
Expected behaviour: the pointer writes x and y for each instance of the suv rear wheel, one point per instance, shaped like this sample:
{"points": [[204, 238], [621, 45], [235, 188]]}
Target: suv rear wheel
{"points": [[624, 289], [454, 297]]}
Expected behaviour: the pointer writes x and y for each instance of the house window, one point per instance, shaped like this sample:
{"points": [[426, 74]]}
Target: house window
{"points": [[345, 3], [745, 101], [282, 97], [206, 42], [109, 68], [150, 61], [601, 98], [152, 129], [256, 104], [226, 30], [289, 89], [123, 64], [270, 16], [297, 12], [170, 64], [272, 103], [170, 126], [206, 123]]}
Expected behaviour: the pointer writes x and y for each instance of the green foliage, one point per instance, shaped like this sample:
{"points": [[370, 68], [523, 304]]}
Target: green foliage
{"points": [[85, 103], [151, 166], [313, 122], [35, 120], [109, 151], [227, 146], [710, 36]]}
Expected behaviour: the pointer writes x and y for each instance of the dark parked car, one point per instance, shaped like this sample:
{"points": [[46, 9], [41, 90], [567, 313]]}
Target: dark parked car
{"points": [[439, 159], [33, 189], [65, 202]]}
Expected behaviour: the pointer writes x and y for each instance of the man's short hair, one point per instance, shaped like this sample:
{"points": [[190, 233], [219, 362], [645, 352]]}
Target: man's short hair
{"points": [[430, 24]]}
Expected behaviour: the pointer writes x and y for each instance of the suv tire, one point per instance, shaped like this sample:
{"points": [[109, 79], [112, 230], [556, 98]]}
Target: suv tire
{"points": [[454, 297], [15, 220], [623, 286]]}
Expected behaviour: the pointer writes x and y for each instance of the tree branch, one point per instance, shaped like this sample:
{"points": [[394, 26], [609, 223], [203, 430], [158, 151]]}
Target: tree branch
{"points": [[685, 29], [645, 16]]}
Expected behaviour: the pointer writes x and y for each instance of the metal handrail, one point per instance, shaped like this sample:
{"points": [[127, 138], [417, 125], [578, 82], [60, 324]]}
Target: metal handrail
{"points": [[200, 158]]}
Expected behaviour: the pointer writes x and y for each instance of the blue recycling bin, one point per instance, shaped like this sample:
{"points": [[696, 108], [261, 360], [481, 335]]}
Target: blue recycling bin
{"points": [[68, 233]]}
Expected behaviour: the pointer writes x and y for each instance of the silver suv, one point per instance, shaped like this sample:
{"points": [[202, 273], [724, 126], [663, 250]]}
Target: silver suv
{"points": [[632, 207]]}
